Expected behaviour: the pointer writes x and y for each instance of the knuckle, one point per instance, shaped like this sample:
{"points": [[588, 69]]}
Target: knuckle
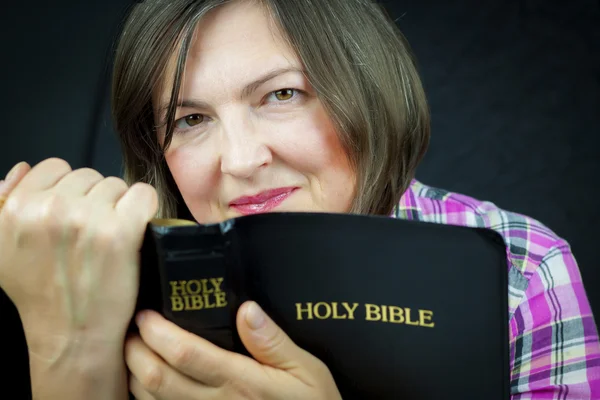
{"points": [[12, 207], [49, 208], [14, 224], [89, 173], [142, 185], [34, 218], [143, 189], [116, 182], [276, 342], [182, 355], [76, 219], [153, 379], [145, 199], [321, 368], [57, 165]]}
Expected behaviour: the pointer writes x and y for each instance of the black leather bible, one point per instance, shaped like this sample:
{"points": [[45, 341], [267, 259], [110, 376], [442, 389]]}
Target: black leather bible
{"points": [[396, 309]]}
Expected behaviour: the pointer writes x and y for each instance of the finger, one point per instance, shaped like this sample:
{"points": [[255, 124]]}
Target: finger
{"points": [[268, 343], [156, 379], [191, 355], [138, 391], [139, 203], [141, 200], [78, 182], [43, 175], [14, 176], [109, 190]]}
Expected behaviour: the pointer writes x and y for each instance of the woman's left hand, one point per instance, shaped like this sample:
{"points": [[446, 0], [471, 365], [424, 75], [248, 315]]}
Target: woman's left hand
{"points": [[167, 362]]}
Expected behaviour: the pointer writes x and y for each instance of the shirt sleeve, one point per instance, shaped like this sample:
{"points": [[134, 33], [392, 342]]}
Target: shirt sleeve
{"points": [[555, 350]]}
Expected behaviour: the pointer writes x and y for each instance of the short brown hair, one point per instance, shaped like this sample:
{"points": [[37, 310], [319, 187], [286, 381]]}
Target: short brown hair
{"points": [[354, 56]]}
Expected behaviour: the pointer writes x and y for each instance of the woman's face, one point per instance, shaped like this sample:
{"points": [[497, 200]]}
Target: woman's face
{"points": [[251, 136]]}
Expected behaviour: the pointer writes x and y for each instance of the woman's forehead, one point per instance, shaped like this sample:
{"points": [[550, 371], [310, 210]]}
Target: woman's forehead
{"points": [[233, 45], [234, 21], [234, 32]]}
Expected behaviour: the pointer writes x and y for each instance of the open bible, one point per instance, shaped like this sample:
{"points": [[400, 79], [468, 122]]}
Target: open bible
{"points": [[396, 309]]}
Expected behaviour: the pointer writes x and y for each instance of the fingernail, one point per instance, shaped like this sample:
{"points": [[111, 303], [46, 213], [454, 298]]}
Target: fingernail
{"points": [[255, 316], [13, 171], [140, 317]]}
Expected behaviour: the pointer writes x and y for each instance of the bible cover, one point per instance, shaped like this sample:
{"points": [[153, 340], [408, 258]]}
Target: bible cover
{"points": [[396, 309]]}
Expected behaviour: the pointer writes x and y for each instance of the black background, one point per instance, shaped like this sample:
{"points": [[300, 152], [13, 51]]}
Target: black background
{"points": [[514, 88]]}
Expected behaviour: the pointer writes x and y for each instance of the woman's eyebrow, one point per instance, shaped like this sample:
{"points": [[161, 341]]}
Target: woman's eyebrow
{"points": [[246, 91], [252, 86]]}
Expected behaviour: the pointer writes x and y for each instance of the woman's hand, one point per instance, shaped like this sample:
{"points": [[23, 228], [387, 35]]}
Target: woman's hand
{"points": [[168, 363], [69, 245]]}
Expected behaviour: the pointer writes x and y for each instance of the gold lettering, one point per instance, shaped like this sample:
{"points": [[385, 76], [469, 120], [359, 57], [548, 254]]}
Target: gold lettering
{"points": [[196, 294], [373, 312], [191, 284], [408, 321], [207, 303], [220, 299], [216, 282], [196, 302], [300, 310], [187, 302], [350, 309], [334, 307], [177, 286], [176, 303], [205, 289], [396, 315], [425, 317], [327, 310]]}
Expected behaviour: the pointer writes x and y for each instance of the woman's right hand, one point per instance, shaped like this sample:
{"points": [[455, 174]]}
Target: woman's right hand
{"points": [[69, 246]]}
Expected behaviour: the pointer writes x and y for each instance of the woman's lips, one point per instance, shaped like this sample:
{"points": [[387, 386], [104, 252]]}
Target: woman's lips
{"points": [[262, 202]]}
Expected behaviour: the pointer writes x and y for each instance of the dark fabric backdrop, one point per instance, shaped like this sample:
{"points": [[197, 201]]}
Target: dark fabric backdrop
{"points": [[514, 89]]}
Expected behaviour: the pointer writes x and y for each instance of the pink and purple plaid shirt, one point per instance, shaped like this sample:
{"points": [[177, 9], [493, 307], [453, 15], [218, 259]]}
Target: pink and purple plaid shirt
{"points": [[554, 346]]}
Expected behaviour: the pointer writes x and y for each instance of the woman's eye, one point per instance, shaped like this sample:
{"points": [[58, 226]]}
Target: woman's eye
{"points": [[283, 95], [189, 121]]}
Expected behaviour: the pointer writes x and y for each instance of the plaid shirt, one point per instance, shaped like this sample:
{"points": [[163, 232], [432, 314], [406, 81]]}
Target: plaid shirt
{"points": [[554, 347]]}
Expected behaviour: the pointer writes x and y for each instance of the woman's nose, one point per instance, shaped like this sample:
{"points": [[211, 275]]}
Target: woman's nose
{"points": [[243, 150]]}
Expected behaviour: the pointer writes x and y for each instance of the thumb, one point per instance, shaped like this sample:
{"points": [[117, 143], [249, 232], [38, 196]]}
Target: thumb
{"points": [[266, 341], [12, 180]]}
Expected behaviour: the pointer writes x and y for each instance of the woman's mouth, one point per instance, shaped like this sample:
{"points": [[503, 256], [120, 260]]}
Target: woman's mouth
{"points": [[263, 202]]}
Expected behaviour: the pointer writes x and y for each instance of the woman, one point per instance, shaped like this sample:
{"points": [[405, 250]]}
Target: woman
{"points": [[233, 108]]}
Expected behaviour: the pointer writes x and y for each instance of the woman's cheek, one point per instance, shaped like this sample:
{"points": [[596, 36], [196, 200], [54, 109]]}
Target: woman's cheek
{"points": [[195, 172], [317, 148]]}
